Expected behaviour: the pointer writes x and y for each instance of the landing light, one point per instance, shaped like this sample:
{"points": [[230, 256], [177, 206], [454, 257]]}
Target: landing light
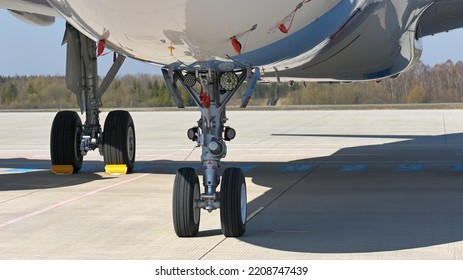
{"points": [[230, 134], [228, 81], [192, 133], [189, 80]]}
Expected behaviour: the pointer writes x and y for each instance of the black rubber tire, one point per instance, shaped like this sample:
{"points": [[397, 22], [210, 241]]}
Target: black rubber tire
{"points": [[119, 143], [65, 137], [233, 203], [185, 215]]}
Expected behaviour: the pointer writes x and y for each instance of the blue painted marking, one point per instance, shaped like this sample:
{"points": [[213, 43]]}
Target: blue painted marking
{"points": [[457, 167], [141, 167], [21, 170], [25, 169], [243, 167], [246, 167], [91, 168], [298, 168], [353, 167], [409, 167]]}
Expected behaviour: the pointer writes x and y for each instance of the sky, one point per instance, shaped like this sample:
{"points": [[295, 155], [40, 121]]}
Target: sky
{"points": [[32, 50]]}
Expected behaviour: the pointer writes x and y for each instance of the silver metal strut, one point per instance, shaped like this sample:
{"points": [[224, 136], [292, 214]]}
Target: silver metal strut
{"points": [[211, 86], [82, 79]]}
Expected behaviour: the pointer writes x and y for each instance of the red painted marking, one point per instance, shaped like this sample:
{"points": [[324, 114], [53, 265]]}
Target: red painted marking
{"points": [[283, 28], [236, 45], [246, 102], [205, 100], [66, 202], [101, 47]]}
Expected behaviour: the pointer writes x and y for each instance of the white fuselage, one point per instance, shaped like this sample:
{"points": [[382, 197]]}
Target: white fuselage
{"points": [[298, 39]]}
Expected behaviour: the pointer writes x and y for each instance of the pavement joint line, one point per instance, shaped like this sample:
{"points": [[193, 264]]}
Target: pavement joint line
{"points": [[253, 214], [292, 231], [21, 196], [213, 247], [290, 187], [67, 202], [263, 207]]}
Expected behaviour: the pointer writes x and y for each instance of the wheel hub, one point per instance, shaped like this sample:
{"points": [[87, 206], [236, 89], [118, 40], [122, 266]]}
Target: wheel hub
{"points": [[130, 143]]}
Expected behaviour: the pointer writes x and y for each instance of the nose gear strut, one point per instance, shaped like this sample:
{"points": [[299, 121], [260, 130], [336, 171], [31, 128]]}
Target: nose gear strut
{"points": [[218, 82]]}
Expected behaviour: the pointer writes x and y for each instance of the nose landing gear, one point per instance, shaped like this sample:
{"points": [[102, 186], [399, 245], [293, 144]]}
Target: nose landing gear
{"points": [[217, 86]]}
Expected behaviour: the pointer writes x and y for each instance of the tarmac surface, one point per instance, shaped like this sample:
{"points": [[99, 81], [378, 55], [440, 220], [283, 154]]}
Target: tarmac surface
{"points": [[367, 184]]}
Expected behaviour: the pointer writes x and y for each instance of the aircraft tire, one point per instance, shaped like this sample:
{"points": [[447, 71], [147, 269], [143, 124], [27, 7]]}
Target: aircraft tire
{"points": [[119, 139], [233, 203], [65, 138], [186, 215]]}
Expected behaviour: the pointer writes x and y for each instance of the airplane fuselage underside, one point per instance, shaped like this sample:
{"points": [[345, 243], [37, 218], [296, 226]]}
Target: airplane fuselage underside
{"points": [[296, 39], [211, 48]]}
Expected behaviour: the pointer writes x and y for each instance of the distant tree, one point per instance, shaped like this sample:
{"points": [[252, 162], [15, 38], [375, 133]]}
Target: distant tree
{"points": [[440, 83], [9, 94], [417, 94]]}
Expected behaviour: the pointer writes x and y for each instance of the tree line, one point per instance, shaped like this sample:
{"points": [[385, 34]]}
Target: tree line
{"points": [[442, 83]]}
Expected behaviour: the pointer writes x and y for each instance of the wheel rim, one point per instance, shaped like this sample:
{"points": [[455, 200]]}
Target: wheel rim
{"points": [[130, 144], [196, 209], [243, 203], [77, 136]]}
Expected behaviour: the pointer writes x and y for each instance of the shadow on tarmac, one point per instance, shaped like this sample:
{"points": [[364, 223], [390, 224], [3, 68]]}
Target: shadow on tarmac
{"points": [[314, 205]]}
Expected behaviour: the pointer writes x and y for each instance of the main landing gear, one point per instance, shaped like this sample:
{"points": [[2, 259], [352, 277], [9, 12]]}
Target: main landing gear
{"points": [[211, 87], [70, 140]]}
